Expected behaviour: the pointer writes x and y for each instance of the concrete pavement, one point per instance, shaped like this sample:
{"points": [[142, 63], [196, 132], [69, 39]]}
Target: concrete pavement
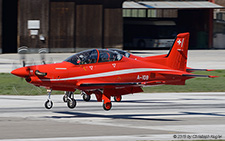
{"points": [[155, 116]]}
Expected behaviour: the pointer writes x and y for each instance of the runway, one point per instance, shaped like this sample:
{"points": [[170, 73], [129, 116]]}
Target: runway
{"points": [[143, 116]]}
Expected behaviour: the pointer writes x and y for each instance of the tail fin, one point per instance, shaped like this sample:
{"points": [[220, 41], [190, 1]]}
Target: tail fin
{"points": [[177, 57]]}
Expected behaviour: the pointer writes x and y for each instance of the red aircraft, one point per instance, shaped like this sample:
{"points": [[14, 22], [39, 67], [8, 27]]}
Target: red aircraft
{"points": [[110, 73]]}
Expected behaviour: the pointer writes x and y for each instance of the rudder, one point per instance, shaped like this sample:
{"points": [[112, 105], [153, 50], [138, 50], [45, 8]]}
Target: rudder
{"points": [[177, 57]]}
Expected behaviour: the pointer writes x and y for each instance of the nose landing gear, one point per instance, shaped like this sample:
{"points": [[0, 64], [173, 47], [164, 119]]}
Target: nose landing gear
{"points": [[49, 103]]}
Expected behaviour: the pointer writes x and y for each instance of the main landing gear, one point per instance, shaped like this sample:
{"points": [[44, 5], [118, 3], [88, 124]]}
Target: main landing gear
{"points": [[107, 104], [86, 97], [68, 98], [101, 95], [118, 98]]}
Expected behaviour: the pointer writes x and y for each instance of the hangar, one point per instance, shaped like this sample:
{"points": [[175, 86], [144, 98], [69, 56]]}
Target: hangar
{"points": [[60, 25], [154, 24], [74, 25]]}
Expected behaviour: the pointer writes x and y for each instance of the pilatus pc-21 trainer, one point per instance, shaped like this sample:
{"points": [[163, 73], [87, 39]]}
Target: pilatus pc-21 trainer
{"points": [[110, 73]]}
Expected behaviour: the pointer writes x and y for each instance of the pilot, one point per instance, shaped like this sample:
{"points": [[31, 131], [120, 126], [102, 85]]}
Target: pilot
{"points": [[81, 58], [104, 57]]}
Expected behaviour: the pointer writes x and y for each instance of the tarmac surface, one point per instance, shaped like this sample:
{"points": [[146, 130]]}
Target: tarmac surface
{"points": [[155, 116], [142, 116]]}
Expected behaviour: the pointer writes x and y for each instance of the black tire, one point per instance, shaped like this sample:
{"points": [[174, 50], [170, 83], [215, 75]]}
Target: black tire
{"points": [[71, 103], [86, 97], [48, 104], [107, 106], [117, 98], [65, 99]]}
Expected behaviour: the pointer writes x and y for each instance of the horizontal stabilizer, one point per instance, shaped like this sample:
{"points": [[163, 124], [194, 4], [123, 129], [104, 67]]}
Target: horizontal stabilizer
{"points": [[191, 70], [196, 75]]}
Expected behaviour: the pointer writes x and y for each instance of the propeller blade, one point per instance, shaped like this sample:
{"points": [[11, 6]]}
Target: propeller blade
{"points": [[42, 53], [23, 51]]}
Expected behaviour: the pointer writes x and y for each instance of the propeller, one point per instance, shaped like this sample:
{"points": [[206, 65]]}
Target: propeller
{"points": [[24, 69], [42, 53], [22, 51]]}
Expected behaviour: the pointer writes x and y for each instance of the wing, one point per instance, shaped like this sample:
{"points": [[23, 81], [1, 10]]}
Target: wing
{"points": [[93, 85], [114, 88], [109, 84], [195, 75], [181, 76]]}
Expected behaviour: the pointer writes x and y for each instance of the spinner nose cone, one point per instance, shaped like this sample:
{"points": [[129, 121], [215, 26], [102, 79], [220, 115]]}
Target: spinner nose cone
{"points": [[21, 72]]}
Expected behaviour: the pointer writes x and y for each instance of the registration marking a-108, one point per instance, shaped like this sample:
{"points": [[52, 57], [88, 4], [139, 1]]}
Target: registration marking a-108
{"points": [[142, 77]]}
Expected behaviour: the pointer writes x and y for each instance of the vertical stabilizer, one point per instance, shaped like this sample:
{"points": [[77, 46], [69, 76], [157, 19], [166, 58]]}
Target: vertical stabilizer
{"points": [[177, 57]]}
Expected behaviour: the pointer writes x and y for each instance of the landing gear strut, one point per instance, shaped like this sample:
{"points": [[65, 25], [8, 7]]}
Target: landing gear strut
{"points": [[49, 103], [65, 97]]}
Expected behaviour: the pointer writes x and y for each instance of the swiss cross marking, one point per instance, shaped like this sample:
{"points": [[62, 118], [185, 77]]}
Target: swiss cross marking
{"points": [[91, 67], [179, 41], [114, 65]]}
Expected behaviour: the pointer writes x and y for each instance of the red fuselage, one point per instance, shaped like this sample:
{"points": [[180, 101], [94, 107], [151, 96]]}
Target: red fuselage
{"points": [[66, 76]]}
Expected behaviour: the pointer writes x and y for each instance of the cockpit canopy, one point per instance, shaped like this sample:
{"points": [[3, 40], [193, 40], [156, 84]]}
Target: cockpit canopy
{"points": [[94, 56], [122, 52]]}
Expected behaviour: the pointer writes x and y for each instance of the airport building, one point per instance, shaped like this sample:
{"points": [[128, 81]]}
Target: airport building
{"points": [[165, 19], [74, 25]]}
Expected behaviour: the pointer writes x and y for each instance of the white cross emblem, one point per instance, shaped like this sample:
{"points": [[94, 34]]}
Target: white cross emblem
{"points": [[179, 42], [114, 65], [91, 67]]}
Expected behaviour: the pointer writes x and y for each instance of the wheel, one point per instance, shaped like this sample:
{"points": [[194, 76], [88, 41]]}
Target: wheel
{"points": [[118, 98], [71, 103], [86, 97], [107, 106], [65, 98], [48, 104]]}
